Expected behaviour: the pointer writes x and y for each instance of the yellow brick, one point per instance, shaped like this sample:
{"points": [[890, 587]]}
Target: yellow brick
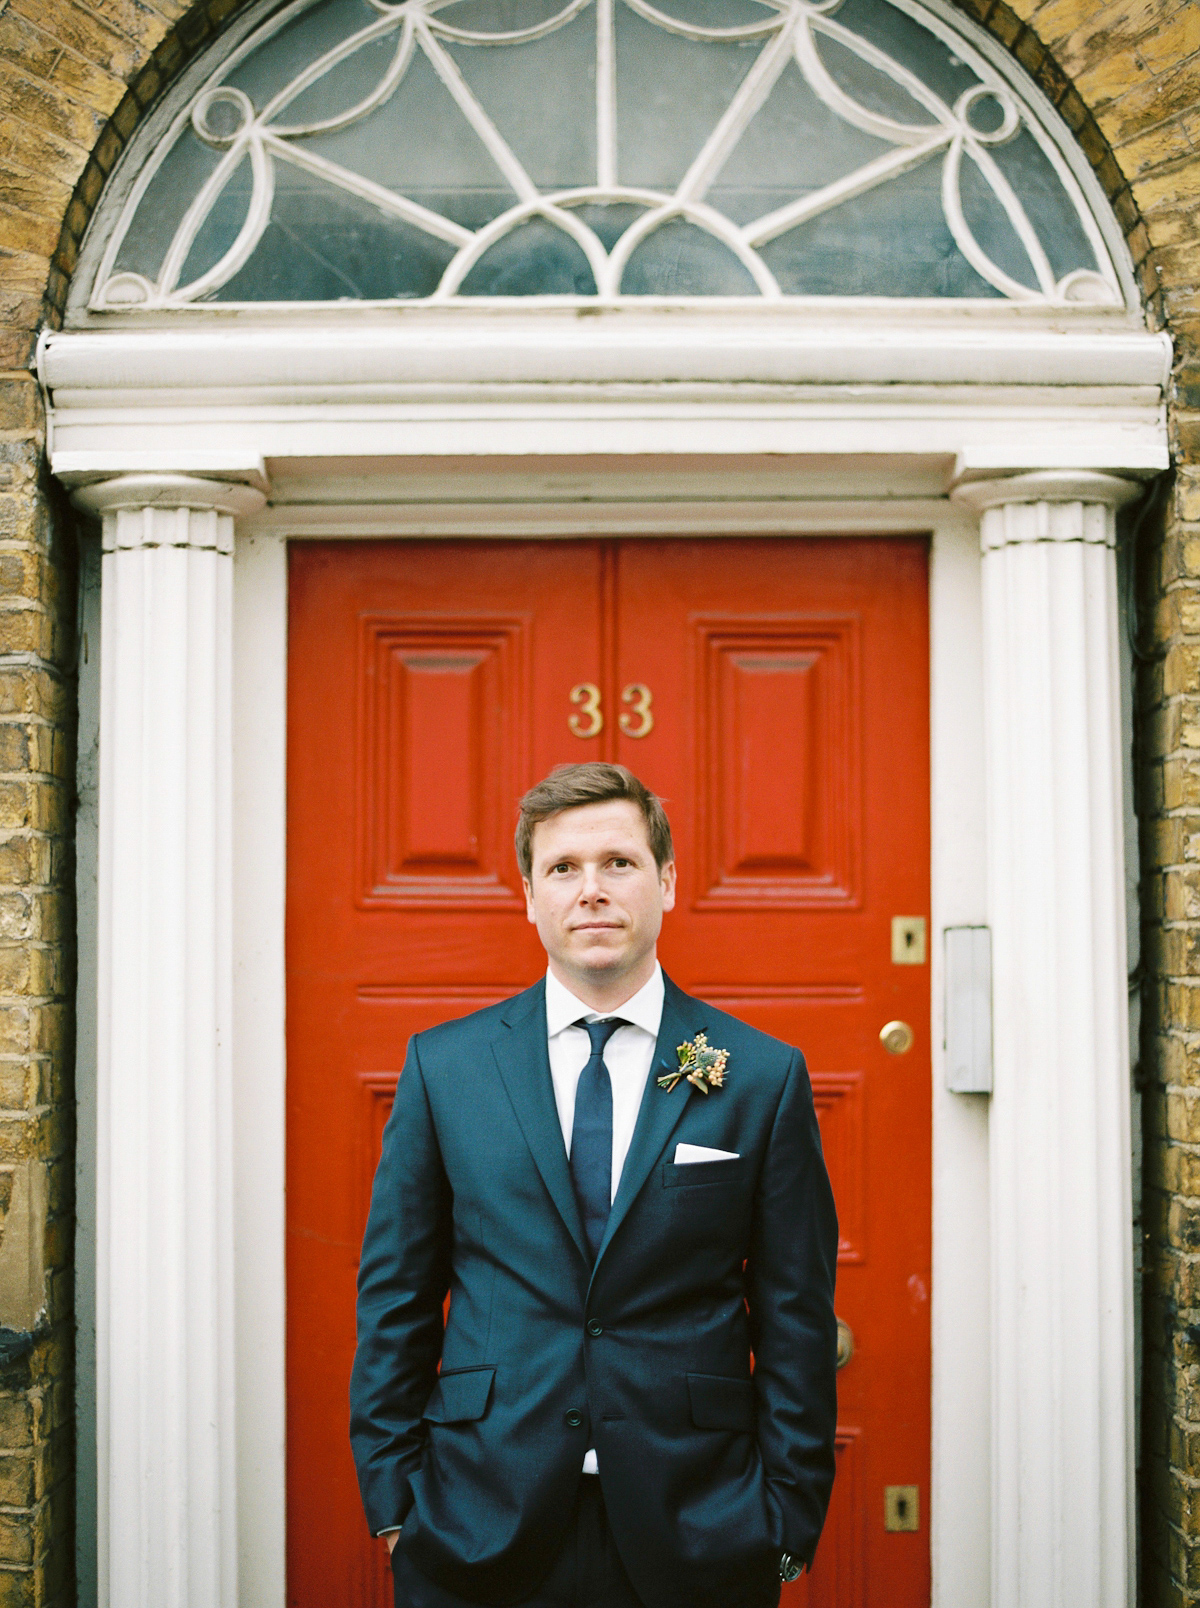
{"points": [[38, 151], [1078, 39], [1170, 142], [1143, 102], [1107, 76], [1175, 189], [46, 107], [85, 33], [20, 231], [1173, 40]]}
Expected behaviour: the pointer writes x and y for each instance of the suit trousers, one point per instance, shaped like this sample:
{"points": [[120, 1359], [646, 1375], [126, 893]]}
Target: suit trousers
{"points": [[586, 1573]]}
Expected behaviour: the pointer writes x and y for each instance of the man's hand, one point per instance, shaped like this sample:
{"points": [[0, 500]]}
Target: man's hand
{"points": [[391, 1538]]}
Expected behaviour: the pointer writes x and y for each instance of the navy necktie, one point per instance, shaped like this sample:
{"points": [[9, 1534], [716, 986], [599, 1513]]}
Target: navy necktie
{"points": [[591, 1135]]}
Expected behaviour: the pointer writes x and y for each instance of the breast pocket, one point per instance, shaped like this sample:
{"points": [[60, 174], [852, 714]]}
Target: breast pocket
{"points": [[698, 1174]]}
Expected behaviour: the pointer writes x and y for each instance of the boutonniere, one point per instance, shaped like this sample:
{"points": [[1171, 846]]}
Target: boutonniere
{"points": [[700, 1064]]}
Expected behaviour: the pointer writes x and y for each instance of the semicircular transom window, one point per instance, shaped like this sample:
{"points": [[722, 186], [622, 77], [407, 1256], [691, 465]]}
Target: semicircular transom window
{"points": [[441, 150]]}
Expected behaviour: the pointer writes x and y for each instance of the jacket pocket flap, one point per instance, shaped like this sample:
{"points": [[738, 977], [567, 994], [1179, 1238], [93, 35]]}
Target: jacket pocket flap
{"points": [[460, 1396], [719, 1403]]}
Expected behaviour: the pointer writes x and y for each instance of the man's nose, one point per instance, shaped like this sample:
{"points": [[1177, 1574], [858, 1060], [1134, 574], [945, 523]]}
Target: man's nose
{"points": [[592, 889]]}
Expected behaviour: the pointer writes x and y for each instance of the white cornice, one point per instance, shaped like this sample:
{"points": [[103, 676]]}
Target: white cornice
{"points": [[998, 395], [833, 346]]}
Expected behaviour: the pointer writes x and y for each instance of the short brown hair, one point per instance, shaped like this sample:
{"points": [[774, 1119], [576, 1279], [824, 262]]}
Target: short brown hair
{"points": [[569, 787]]}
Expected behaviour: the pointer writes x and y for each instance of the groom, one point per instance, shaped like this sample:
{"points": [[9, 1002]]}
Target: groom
{"points": [[635, 1405]]}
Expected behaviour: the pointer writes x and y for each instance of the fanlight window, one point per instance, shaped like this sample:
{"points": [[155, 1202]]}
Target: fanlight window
{"points": [[612, 149]]}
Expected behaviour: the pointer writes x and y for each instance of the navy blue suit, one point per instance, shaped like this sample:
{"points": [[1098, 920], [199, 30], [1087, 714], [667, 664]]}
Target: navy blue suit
{"points": [[709, 1470]]}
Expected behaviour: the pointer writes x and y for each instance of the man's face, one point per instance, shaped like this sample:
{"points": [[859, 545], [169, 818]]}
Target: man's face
{"points": [[595, 894]]}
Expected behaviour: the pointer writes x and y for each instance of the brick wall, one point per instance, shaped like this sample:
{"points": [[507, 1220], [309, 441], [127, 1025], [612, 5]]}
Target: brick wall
{"points": [[75, 77]]}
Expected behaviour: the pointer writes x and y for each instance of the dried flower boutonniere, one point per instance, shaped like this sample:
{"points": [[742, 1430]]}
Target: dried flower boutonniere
{"points": [[700, 1064]]}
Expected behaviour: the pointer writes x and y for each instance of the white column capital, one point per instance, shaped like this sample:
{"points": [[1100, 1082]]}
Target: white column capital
{"points": [[1052, 505], [160, 510], [1047, 486]]}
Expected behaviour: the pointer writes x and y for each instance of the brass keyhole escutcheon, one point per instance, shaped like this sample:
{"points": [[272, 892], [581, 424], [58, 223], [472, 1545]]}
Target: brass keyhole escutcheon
{"points": [[896, 1037], [901, 1507], [845, 1343]]}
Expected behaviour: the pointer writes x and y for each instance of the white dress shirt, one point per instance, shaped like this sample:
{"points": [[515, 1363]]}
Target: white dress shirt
{"points": [[628, 1056]]}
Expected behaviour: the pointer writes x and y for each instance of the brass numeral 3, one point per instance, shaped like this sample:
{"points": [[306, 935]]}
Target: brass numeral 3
{"points": [[587, 696], [639, 697]]}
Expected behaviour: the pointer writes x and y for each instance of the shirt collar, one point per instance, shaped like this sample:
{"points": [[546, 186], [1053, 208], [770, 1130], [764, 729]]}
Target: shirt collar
{"points": [[644, 1010]]}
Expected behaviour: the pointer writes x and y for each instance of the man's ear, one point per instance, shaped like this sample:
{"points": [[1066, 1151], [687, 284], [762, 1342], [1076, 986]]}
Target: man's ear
{"points": [[667, 878], [529, 911]]}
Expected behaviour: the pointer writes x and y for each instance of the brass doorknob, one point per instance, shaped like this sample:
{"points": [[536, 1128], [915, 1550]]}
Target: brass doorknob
{"points": [[845, 1343], [896, 1037]]}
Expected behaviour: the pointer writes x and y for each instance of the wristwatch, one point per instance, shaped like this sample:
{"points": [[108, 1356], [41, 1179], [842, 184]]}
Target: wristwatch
{"points": [[789, 1568]]}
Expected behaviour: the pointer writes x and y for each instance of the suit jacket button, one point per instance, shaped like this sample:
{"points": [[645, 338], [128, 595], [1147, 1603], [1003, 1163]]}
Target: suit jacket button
{"points": [[574, 1417], [595, 1327]]}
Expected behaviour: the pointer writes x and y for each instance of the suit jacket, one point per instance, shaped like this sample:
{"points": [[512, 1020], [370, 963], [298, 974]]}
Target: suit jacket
{"points": [[710, 1465]]}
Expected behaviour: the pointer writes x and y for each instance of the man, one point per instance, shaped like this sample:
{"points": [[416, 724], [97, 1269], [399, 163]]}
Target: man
{"points": [[622, 1190]]}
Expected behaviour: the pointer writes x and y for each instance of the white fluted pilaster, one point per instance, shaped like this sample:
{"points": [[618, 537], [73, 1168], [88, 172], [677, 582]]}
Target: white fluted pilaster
{"points": [[165, 1396], [1062, 1294]]}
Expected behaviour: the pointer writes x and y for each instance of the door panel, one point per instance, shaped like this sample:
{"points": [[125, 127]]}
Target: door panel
{"points": [[776, 694]]}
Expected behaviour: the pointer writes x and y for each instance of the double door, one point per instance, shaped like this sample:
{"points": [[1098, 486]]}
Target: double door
{"points": [[775, 694]]}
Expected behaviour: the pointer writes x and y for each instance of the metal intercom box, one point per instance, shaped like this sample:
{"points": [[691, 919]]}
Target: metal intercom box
{"points": [[968, 1039]]}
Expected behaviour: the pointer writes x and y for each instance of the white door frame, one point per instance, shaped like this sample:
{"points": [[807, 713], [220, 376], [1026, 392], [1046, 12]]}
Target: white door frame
{"points": [[1031, 428]]}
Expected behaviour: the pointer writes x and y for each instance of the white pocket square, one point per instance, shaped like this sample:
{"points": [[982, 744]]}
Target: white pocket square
{"points": [[685, 1154]]}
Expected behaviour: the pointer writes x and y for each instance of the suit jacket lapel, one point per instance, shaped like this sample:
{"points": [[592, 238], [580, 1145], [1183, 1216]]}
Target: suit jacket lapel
{"points": [[524, 1064], [659, 1112]]}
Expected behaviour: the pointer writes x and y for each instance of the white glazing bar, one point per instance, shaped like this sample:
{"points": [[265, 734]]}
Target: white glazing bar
{"points": [[964, 239], [1062, 1295], [164, 1307], [251, 232], [606, 94], [447, 70], [752, 92], [387, 201], [845, 189], [1017, 215]]}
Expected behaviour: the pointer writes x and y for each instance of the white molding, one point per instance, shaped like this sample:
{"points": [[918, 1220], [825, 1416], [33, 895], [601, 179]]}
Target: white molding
{"points": [[552, 520], [856, 344], [167, 1517], [259, 1060], [960, 1476], [1061, 1207]]}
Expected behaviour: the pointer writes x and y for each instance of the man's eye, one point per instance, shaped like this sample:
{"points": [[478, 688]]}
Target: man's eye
{"points": [[563, 866], [620, 861]]}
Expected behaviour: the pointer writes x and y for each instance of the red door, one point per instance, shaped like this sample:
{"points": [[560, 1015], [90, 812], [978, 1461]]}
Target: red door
{"points": [[776, 694]]}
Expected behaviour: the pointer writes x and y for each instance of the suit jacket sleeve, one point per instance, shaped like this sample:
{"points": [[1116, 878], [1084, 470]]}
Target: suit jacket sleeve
{"points": [[402, 1282], [790, 1282]]}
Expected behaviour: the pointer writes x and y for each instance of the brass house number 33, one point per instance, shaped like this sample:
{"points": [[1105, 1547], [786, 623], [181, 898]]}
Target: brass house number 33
{"points": [[588, 721]]}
